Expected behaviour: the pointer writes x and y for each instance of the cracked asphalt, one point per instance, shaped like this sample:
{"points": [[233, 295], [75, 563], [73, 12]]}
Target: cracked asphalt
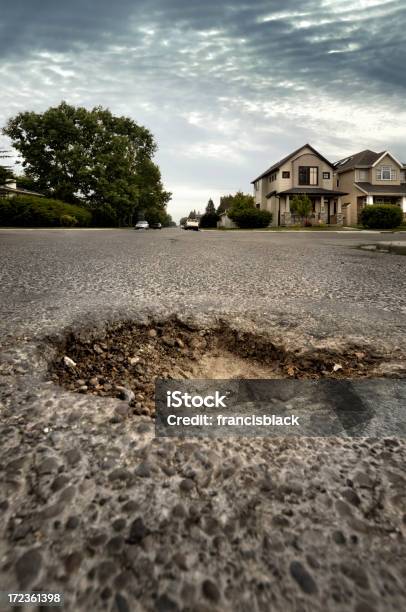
{"points": [[94, 506]]}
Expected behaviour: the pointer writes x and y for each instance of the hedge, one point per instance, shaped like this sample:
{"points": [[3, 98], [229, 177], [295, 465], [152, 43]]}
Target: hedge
{"points": [[32, 211], [381, 216], [248, 217]]}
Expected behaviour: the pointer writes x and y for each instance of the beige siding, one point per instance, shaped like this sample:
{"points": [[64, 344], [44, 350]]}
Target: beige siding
{"points": [[363, 175], [386, 161], [349, 202], [307, 158]]}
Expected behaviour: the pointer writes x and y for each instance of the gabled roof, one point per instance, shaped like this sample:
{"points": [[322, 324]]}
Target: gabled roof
{"points": [[390, 155], [287, 158], [363, 159]]}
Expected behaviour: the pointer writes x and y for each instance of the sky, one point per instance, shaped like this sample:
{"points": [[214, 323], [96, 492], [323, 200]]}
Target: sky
{"points": [[227, 88]]}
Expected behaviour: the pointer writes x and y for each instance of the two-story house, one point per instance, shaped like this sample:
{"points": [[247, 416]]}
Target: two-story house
{"points": [[370, 178], [304, 171]]}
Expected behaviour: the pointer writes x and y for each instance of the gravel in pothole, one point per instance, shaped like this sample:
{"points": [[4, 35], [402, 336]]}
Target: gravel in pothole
{"points": [[126, 359]]}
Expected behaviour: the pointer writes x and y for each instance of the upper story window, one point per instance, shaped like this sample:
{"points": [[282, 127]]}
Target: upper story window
{"points": [[256, 185], [386, 173], [272, 177], [308, 175], [326, 175], [403, 176], [363, 175], [286, 174]]}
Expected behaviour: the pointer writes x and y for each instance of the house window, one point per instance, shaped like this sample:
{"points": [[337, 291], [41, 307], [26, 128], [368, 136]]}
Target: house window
{"points": [[272, 177], [386, 173], [362, 175], [403, 176], [326, 175], [256, 185], [258, 205], [308, 175], [286, 174]]}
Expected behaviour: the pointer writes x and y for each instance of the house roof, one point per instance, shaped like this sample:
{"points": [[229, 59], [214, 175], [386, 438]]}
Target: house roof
{"points": [[317, 191], [363, 159], [19, 191], [287, 158], [382, 189]]}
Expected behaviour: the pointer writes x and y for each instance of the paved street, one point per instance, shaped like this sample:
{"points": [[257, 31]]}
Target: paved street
{"points": [[94, 506], [51, 278]]}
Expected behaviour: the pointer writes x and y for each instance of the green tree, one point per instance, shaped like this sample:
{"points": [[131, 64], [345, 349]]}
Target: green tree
{"points": [[240, 201], [192, 215], [210, 217], [183, 221], [92, 156], [301, 206], [27, 182], [225, 203], [210, 208]]}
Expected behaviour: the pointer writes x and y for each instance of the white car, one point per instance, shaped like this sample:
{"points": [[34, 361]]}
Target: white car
{"points": [[142, 225], [192, 224]]}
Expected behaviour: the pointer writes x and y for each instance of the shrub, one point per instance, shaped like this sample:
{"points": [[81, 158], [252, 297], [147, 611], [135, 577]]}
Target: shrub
{"points": [[68, 220], [381, 216], [250, 217], [32, 211], [301, 206]]}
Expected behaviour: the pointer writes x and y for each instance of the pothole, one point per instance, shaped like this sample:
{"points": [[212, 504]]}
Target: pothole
{"points": [[125, 360], [397, 247]]}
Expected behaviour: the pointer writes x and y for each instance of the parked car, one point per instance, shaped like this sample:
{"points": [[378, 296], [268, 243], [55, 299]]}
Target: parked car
{"points": [[141, 225], [192, 224], [156, 226]]}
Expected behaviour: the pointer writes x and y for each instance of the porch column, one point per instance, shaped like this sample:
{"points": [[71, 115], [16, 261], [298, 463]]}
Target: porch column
{"points": [[403, 203], [370, 199], [323, 216], [339, 212], [288, 217]]}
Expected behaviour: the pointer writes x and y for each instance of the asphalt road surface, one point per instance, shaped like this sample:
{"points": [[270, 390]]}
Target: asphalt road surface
{"points": [[93, 506], [51, 278]]}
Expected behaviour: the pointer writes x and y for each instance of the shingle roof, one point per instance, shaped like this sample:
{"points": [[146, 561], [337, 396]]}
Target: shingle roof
{"points": [[358, 160], [287, 158], [383, 189], [317, 191]]}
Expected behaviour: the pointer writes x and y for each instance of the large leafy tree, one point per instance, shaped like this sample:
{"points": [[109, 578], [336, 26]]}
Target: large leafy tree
{"points": [[90, 156]]}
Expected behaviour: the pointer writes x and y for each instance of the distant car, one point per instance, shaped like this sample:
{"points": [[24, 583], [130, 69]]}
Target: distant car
{"points": [[156, 226], [141, 225], [192, 224]]}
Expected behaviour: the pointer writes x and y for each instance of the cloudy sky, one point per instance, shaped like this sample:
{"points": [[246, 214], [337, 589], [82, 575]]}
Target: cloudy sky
{"points": [[227, 88]]}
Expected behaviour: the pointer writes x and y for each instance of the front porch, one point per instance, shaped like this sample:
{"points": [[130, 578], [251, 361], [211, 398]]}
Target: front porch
{"points": [[326, 210], [370, 199]]}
